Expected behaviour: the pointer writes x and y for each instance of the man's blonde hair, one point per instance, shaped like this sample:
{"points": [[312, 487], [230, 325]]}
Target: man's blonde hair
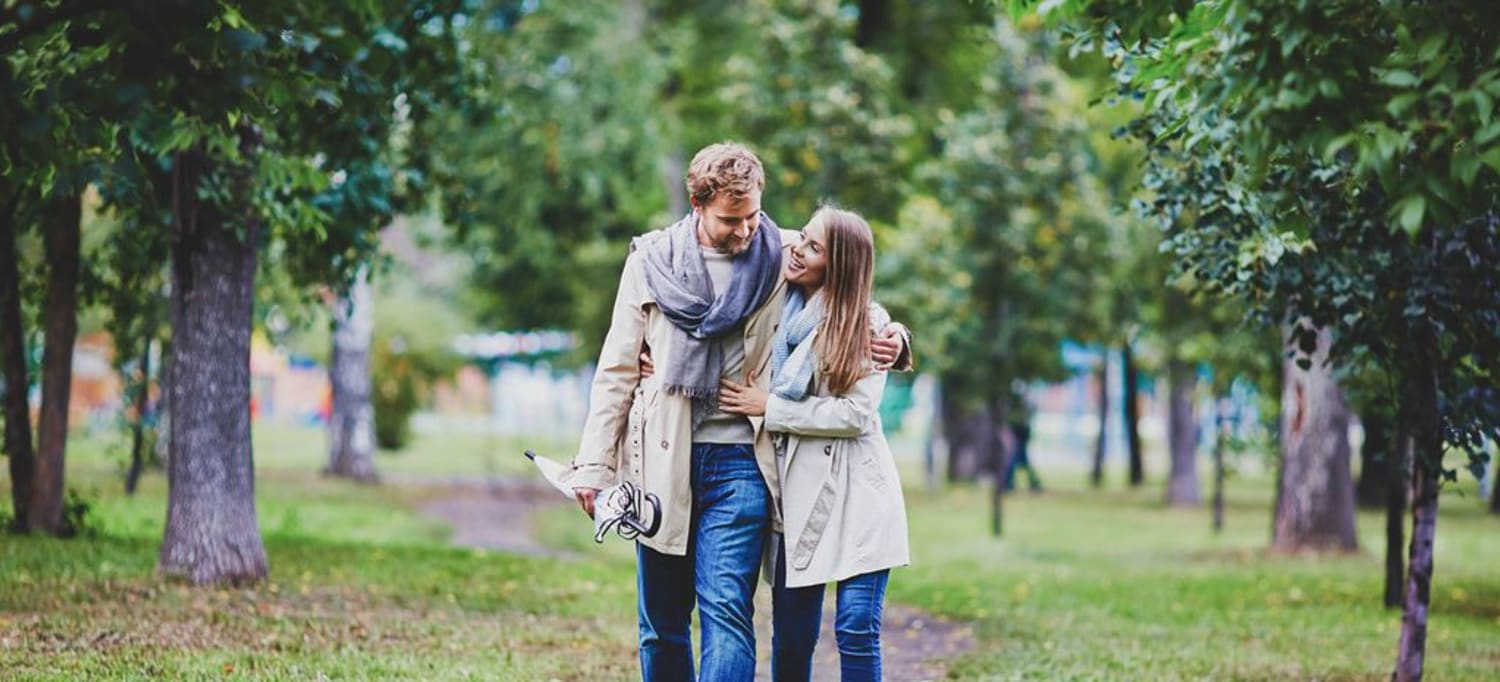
{"points": [[727, 167]]}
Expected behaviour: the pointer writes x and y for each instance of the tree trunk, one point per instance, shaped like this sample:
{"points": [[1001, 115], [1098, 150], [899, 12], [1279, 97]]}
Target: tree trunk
{"points": [[1413, 643], [1315, 498], [17, 379], [61, 237], [1096, 474], [351, 421], [161, 447], [1182, 435], [934, 432], [874, 20], [1133, 415], [674, 174], [1495, 482], [1375, 456], [1426, 477], [1221, 435], [970, 440], [212, 536], [138, 427], [1395, 519]]}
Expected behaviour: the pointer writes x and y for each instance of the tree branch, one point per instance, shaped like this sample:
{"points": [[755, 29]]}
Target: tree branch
{"points": [[41, 21]]}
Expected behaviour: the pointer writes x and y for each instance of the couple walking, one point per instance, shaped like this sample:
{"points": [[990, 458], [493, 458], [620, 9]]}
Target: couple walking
{"points": [[739, 382]]}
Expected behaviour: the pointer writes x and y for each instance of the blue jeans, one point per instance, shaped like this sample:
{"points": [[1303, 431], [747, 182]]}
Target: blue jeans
{"points": [[797, 615], [731, 516]]}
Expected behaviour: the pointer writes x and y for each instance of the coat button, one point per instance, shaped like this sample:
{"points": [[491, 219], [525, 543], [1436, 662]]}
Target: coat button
{"points": [[664, 445], [827, 449]]}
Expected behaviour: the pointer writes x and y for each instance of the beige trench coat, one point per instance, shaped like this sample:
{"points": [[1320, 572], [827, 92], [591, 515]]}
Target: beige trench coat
{"points": [[842, 507], [635, 431]]}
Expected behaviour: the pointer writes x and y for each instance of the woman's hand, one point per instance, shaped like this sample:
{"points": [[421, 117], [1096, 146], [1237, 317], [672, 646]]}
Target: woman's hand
{"points": [[744, 399], [647, 366], [886, 347]]}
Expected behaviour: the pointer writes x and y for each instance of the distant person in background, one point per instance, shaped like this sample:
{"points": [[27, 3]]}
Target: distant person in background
{"points": [[1020, 458], [843, 511], [704, 297]]}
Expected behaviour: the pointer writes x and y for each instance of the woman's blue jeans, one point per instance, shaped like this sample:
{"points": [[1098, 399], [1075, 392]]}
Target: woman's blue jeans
{"points": [[797, 614], [731, 516]]}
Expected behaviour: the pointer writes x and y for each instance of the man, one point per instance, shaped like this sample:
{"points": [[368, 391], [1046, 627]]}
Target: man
{"points": [[704, 297]]}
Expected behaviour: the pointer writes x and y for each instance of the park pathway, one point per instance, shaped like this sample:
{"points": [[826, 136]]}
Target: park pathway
{"points": [[915, 646]]}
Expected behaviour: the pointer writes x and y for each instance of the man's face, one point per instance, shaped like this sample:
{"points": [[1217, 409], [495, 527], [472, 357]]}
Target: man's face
{"points": [[727, 223]]}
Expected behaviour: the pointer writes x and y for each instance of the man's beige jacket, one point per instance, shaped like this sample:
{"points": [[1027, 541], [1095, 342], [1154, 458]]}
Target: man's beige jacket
{"points": [[637, 432]]}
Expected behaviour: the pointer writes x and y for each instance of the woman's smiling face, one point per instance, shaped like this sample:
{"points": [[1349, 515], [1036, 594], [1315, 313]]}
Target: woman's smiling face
{"points": [[807, 261]]}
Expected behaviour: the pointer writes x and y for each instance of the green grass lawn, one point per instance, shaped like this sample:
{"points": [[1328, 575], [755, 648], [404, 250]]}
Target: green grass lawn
{"points": [[1111, 585], [1084, 586]]}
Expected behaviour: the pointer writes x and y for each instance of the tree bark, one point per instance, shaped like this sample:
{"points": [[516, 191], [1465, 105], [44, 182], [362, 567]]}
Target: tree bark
{"points": [[1413, 643], [161, 447], [1315, 497], [1375, 456], [1182, 435], [212, 536], [874, 19], [138, 427], [1495, 482], [970, 440], [674, 174], [17, 379], [1133, 415], [1426, 472], [934, 432], [62, 241], [1395, 520], [351, 421], [1096, 474]]}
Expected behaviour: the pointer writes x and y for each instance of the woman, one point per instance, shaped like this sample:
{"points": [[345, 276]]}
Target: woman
{"points": [[844, 517]]}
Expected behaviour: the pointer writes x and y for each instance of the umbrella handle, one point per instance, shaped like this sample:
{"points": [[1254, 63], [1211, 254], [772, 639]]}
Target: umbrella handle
{"points": [[628, 524], [633, 520]]}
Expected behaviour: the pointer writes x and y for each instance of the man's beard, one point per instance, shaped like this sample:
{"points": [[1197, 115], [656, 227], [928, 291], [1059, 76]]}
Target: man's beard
{"points": [[730, 246]]}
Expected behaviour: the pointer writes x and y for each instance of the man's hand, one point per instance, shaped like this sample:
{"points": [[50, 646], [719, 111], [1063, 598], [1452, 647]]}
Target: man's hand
{"points": [[744, 399], [886, 347], [585, 497]]}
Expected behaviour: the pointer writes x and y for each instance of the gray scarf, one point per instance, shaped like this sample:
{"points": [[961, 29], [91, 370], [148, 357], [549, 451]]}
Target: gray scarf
{"points": [[678, 280]]}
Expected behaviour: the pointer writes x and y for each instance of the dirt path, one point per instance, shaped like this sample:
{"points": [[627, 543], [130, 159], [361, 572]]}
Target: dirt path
{"points": [[915, 646]]}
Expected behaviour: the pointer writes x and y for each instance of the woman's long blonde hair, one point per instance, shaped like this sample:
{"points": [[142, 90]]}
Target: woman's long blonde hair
{"points": [[844, 335]]}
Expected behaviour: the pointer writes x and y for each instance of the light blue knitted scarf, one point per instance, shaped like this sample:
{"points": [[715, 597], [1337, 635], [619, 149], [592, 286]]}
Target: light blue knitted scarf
{"points": [[792, 360]]}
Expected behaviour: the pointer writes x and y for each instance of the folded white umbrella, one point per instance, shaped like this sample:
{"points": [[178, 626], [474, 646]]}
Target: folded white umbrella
{"points": [[628, 511], [552, 471]]}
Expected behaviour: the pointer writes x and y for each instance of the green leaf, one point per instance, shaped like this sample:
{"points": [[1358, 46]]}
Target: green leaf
{"points": [[1400, 104], [1485, 105], [243, 41], [1487, 133], [390, 41], [1400, 78], [1491, 158], [1337, 144], [1409, 213]]}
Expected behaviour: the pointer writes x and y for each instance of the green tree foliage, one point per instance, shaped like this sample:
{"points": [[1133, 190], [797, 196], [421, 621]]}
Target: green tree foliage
{"points": [[822, 113], [231, 127], [995, 265], [553, 166], [1338, 161]]}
